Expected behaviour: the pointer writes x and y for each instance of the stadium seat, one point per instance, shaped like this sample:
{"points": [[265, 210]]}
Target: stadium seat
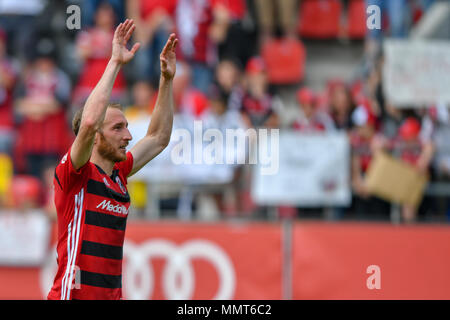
{"points": [[284, 60], [25, 191], [319, 19], [356, 19]]}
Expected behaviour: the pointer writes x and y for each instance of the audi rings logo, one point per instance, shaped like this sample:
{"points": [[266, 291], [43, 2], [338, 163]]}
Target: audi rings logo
{"points": [[178, 275]]}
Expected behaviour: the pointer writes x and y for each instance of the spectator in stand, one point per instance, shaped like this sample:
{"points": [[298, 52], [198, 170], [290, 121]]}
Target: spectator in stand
{"points": [[390, 116], [413, 145], [413, 148], [228, 80], [191, 103], [19, 19], [257, 110], [438, 119], [42, 93], [154, 22], [8, 76], [286, 12], [94, 47], [391, 120], [139, 113], [362, 138], [200, 29], [311, 118], [144, 99], [89, 9], [139, 116], [221, 118], [341, 105], [234, 36]]}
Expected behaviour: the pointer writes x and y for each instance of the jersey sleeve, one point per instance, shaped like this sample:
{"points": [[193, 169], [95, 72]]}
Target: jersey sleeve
{"points": [[66, 175], [126, 166]]}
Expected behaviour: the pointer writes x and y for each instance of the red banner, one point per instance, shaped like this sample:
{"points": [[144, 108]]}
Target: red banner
{"points": [[180, 261], [370, 261]]}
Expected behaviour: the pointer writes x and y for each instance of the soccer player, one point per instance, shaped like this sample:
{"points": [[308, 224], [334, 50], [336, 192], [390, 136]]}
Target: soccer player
{"points": [[91, 197]]}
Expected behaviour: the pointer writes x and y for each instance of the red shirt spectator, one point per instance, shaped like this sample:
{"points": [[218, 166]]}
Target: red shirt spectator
{"points": [[257, 102], [312, 119], [362, 135], [194, 18], [341, 104], [43, 133], [100, 46], [148, 7], [407, 145], [258, 109], [8, 76], [361, 139], [94, 48]]}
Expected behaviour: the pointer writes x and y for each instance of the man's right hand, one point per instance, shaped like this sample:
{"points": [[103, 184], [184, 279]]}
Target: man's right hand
{"points": [[120, 53]]}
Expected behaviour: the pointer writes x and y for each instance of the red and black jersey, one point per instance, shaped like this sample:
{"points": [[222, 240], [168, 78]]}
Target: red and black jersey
{"points": [[92, 213]]}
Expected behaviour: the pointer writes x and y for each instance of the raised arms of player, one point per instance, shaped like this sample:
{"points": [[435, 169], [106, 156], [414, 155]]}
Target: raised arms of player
{"points": [[95, 106], [160, 128]]}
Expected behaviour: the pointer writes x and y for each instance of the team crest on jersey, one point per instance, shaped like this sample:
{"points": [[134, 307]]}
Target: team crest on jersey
{"points": [[122, 188]]}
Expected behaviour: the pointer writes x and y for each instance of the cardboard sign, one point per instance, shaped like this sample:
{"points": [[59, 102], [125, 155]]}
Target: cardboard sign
{"points": [[395, 181]]}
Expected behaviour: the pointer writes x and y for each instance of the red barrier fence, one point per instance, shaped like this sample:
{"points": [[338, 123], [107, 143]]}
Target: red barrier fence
{"points": [[331, 261], [248, 261]]}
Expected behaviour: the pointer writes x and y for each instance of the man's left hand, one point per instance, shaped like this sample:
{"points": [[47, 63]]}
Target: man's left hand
{"points": [[168, 59]]}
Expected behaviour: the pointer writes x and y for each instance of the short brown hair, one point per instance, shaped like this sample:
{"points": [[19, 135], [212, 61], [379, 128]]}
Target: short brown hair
{"points": [[76, 121]]}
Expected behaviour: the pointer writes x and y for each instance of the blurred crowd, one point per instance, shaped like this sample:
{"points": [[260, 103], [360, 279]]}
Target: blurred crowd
{"points": [[234, 57]]}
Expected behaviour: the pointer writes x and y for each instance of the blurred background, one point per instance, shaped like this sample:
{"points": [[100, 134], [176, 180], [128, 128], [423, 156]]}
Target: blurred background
{"points": [[363, 163]]}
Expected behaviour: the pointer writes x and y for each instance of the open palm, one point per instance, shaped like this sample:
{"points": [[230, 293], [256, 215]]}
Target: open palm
{"points": [[123, 32], [168, 58]]}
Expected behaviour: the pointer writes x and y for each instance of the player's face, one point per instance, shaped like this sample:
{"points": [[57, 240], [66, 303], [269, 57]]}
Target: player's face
{"points": [[114, 137]]}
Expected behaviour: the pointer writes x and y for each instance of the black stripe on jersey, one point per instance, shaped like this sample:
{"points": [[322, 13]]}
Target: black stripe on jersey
{"points": [[100, 189], [112, 176], [101, 280], [105, 220], [101, 250], [57, 179]]}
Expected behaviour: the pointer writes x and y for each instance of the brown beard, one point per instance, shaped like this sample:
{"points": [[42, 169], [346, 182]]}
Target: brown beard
{"points": [[107, 151]]}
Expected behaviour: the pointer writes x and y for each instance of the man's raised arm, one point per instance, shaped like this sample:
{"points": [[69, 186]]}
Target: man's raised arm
{"points": [[160, 128], [95, 107]]}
